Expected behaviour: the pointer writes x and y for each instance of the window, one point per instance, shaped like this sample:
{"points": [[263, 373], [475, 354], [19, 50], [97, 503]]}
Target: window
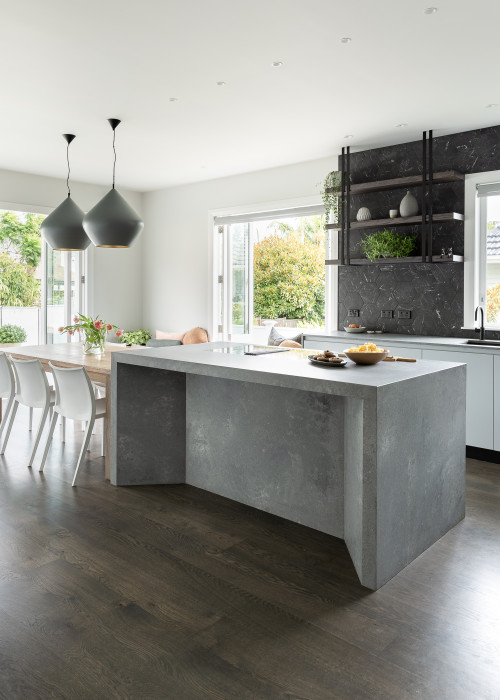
{"points": [[482, 248], [270, 270], [40, 288]]}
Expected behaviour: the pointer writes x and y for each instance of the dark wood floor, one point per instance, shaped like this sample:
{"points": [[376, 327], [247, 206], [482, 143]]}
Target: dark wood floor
{"points": [[170, 592]]}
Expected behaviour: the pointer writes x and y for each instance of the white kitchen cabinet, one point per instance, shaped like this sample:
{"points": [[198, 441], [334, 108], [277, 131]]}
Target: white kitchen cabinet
{"points": [[337, 346], [496, 404], [479, 412]]}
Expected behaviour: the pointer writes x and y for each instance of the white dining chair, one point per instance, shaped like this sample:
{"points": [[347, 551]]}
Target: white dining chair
{"points": [[32, 390], [75, 399], [7, 388]]}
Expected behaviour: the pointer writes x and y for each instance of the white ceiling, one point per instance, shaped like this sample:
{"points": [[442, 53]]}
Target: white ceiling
{"points": [[67, 65]]}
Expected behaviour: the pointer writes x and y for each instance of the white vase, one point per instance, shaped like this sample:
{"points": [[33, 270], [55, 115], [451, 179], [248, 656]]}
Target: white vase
{"points": [[408, 206], [363, 214]]}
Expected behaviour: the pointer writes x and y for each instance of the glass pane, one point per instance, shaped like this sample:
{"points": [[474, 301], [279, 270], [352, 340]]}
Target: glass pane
{"points": [[493, 260], [20, 274], [76, 306], [289, 272], [55, 295], [239, 234]]}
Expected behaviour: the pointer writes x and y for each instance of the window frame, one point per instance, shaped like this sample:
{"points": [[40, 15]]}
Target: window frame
{"points": [[475, 246], [331, 272]]}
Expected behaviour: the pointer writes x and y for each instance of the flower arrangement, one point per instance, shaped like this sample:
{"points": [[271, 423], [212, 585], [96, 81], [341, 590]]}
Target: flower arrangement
{"points": [[94, 330]]}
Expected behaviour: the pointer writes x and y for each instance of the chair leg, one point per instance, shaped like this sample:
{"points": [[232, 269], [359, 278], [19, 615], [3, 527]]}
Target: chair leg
{"points": [[11, 421], [30, 424], [49, 440], [63, 429], [6, 414], [83, 451], [45, 413], [103, 438]]}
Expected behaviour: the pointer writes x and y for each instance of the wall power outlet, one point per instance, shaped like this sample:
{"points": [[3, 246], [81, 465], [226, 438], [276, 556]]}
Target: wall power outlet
{"points": [[404, 313], [387, 313], [353, 312]]}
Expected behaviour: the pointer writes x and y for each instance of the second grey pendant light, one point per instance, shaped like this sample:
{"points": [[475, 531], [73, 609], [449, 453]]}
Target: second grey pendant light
{"points": [[62, 229], [112, 223]]}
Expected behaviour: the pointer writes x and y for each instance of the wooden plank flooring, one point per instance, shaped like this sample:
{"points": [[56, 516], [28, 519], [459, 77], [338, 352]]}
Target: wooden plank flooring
{"points": [[171, 592]]}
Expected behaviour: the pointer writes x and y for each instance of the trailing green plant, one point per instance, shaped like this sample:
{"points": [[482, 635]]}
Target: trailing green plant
{"points": [[12, 334], [139, 337], [386, 244], [331, 196]]}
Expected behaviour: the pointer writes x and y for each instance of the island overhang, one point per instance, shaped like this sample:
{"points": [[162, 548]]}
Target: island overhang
{"points": [[372, 454]]}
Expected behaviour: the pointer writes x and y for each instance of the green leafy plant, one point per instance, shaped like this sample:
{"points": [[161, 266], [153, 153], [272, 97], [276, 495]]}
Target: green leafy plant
{"points": [[331, 196], [386, 244], [139, 337], [12, 334]]}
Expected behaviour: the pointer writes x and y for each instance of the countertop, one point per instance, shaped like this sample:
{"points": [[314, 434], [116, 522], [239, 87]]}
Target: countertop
{"points": [[382, 339], [286, 369]]}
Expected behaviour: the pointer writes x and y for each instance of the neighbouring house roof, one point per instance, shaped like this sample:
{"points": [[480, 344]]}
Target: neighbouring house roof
{"points": [[493, 242]]}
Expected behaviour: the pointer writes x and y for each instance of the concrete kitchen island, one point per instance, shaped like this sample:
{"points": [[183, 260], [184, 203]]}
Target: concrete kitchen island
{"points": [[374, 455]]}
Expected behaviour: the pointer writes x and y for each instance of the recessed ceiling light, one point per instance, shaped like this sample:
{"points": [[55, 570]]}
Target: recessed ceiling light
{"points": [[401, 126], [493, 104], [220, 83], [173, 99], [430, 10], [346, 40], [277, 64], [348, 136]]}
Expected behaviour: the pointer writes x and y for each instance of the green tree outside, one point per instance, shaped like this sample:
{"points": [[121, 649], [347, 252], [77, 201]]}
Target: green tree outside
{"points": [[20, 253], [289, 276]]}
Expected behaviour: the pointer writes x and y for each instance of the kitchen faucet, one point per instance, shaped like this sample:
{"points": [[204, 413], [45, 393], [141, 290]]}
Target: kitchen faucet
{"points": [[481, 328]]}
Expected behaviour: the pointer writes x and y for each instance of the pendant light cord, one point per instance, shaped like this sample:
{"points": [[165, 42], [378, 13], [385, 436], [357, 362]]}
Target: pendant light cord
{"points": [[114, 162], [69, 170]]}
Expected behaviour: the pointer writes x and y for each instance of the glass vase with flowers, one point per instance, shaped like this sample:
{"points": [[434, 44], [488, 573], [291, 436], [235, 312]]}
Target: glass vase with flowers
{"points": [[94, 332]]}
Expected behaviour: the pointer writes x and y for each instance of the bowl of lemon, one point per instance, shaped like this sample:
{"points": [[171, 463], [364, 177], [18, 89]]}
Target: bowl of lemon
{"points": [[366, 354]]}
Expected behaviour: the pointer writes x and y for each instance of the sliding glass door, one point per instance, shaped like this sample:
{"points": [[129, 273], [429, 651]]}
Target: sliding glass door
{"points": [[64, 292]]}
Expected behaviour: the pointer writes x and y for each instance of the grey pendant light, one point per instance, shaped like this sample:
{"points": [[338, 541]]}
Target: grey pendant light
{"points": [[112, 223], [62, 229]]}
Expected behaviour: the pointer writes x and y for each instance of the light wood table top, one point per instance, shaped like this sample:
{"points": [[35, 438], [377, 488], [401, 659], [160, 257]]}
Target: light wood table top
{"points": [[71, 355]]}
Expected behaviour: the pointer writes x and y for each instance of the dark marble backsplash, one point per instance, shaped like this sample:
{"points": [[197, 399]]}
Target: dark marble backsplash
{"points": [[433, 292]]}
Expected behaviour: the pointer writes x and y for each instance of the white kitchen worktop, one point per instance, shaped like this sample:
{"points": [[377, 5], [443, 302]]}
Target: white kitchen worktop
{"points": [[454, 344]]}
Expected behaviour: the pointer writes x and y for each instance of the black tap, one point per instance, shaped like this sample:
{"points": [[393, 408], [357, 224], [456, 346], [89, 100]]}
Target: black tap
{"points": [[481, 328]]}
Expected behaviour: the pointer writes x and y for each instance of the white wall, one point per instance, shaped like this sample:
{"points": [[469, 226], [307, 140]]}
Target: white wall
{"points": [[115, 281], [177, 236]]}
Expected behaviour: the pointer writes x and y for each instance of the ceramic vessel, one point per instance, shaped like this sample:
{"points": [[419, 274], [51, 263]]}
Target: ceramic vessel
{"points": [[363, 214], [409, 205]]}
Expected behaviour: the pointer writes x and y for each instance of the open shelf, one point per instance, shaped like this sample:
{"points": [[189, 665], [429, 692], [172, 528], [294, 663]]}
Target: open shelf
{"points": [[398, 261], [399, 221], [403, 182]]}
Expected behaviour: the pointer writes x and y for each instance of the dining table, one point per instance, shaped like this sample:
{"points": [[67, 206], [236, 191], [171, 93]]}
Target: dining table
{"points": [[72, 355]]}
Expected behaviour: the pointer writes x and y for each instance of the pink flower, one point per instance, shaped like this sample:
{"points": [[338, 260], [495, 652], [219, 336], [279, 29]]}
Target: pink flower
{"points": [[70, 332], [98, 325], [119, 333], [75, 319], [60, 329], [109, 327]]}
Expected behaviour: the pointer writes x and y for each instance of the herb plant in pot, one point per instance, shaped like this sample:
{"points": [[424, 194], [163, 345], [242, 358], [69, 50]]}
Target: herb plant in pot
{"points": [[386, 244], [331, 196], [139, 337]]}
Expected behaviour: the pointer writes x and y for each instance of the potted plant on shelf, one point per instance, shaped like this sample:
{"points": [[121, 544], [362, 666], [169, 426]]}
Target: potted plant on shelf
{"points": [[94, 332], [331, 196], [386, 244]]}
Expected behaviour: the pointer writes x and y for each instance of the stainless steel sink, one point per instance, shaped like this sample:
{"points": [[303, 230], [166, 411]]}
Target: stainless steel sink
{"points": [[474, 341]]}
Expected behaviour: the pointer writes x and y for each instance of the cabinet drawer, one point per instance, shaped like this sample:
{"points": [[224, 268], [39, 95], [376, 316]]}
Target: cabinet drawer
{"points": [[479, 408]]}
